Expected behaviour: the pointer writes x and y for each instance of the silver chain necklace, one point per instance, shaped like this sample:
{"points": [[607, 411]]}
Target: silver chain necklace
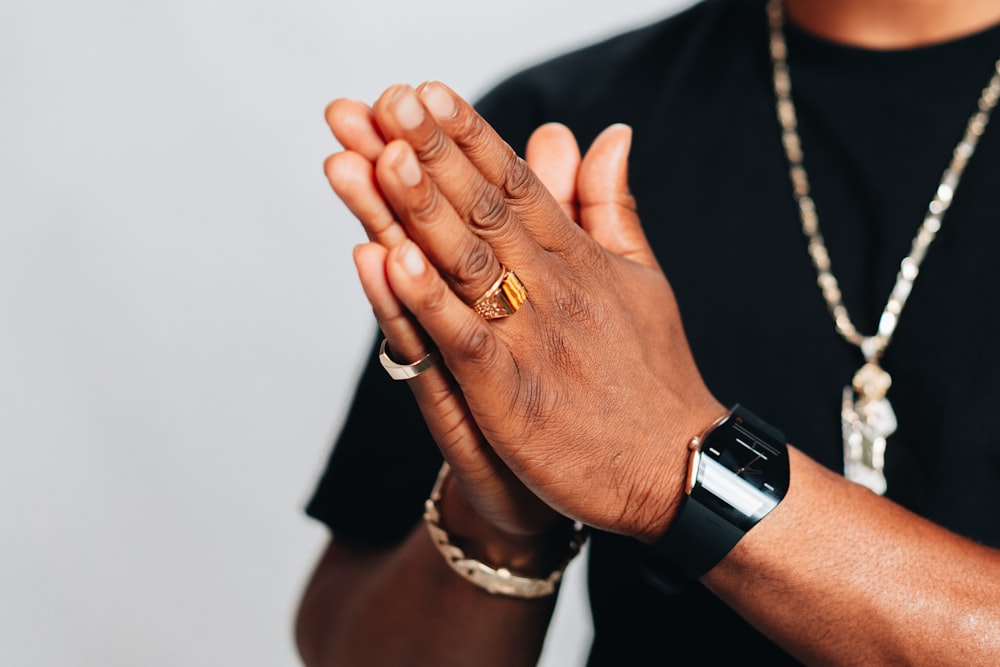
{"points": [[866, 414]]}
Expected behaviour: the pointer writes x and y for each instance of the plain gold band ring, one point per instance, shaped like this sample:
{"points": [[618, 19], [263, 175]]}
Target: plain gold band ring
{"points": [[399, 371]]}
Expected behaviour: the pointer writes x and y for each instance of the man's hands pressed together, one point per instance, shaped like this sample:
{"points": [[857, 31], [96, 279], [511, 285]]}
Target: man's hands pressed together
{"points": [[588, 393]]}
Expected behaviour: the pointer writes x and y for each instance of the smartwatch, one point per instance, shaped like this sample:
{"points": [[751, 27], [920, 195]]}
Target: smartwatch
{"points": [[737, 474]]}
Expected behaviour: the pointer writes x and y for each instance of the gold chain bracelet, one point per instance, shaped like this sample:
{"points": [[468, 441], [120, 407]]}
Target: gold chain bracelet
{"points": [[498, 581]]}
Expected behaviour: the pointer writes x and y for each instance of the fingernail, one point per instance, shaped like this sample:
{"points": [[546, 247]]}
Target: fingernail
{"points": [[409, 110], [437, 99], [623, 126], [407, 169], [413, 261]]}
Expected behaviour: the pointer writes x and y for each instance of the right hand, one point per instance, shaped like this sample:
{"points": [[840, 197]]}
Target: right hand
{"points": [[489, 493]]}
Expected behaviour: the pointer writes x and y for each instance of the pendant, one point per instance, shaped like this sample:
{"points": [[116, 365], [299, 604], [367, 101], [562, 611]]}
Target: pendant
{"points": [[868, 420]]}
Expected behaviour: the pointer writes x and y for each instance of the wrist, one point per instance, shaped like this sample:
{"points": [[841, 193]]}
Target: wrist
{"points": [[534, 554], [667, 471], [738, 472]]}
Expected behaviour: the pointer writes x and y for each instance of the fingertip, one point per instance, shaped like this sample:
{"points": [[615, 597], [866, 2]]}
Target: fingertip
{"points": [[329, 164], [439, 99], [614, 142], [411, 259], [554, 155], [604, 171], [346, 169], [368, 254], [387, 308], [406, 261], [334, 171], [554, 132], [440, 86], [617, 128], [406, 271], [344, 108], [330, 111], [337, 164], [396, 152], [387, 108], [554, 124], [624, 134], [353, 125], [387, 95], [369, 261]]}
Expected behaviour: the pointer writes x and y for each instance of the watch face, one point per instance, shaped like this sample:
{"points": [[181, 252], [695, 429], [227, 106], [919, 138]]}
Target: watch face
{"points": [[741, 472]]}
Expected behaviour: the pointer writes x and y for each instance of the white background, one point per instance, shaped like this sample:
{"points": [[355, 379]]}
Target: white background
{"points": [[180, 322]]}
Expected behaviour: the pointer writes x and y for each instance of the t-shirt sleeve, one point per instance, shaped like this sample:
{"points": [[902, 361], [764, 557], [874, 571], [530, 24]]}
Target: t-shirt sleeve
{"points": [[384, 461]]}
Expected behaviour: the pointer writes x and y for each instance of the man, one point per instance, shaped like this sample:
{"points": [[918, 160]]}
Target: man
{"points": [[769, 153]]}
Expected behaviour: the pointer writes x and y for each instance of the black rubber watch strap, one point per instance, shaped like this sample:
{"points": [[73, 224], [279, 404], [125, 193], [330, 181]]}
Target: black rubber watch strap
{"points": [[699, 537], [697, 540]]}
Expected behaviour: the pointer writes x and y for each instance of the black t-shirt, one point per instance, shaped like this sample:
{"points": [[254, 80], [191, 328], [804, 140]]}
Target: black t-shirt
{"points": [[711, 179]]}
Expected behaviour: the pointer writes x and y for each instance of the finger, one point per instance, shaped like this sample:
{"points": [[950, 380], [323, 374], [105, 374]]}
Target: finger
{"points": [[352, 178], [442, 404], [499, 165], [607, 207], [441, 401], [440, 178], [466, 259], [553, 154], [488, 210], [353, 124], [469, 344], [405, 340], [506, 221]]}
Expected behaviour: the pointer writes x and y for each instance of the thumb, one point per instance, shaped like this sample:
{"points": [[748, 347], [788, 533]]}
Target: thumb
{"points": [[552, 153], [607, 208]]}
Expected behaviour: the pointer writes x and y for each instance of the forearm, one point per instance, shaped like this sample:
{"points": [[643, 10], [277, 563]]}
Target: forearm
{"points": [[839, 575], [408, 607]]}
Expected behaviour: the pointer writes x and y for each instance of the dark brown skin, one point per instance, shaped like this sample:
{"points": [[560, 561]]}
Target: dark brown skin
{"points": [[557, 411]]}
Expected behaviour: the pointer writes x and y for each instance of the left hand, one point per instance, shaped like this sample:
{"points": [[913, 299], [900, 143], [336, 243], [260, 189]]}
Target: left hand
{"points": [[589, 393]]}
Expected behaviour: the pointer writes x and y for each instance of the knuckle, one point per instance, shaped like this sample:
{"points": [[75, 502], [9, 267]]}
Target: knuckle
{"points": [[475, 265], [434, 299], [395, 320], [452, 424], [535, 402], [489, 210], [424, 203], [472, 134], [594, 268], [562, 237], [435, 149], [575, 303], [560, 352], [378, 226], [572, 305], [615, 203], [519, 180], [477, 342], [452, 432]]}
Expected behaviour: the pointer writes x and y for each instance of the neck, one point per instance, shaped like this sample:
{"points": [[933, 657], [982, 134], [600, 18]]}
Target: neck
{"points": [[893, 24]]}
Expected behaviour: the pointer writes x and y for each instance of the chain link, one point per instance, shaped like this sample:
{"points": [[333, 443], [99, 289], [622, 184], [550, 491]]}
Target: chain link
{"points": [[871, 346]]}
